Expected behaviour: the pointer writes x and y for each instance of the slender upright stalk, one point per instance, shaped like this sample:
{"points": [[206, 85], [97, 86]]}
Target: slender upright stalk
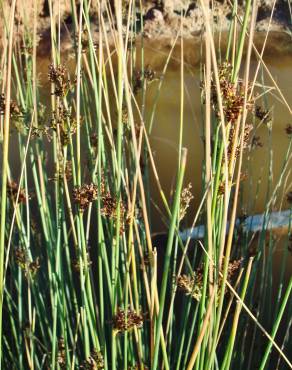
{"points": [[6, 134], [167, 257]]}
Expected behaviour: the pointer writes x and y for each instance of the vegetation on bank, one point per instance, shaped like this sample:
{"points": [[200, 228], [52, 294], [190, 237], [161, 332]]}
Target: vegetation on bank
{"points": [[81, 283]]}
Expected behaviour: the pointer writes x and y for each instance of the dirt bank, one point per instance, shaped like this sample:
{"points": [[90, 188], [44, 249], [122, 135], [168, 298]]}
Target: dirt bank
{"points": [[162, 20]]}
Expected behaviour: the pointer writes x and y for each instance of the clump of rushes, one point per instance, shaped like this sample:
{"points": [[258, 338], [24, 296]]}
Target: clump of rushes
{"points": [[186, 198], [59, 76], [12, 190], [288, 129], [94, 362], [89, 119], [126, 321], [84, 195]]}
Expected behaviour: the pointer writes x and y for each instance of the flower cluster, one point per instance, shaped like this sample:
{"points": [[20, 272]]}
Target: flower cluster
{"points": [[232, 137], [22, 260], [59, 76], [61, 355], [148, 76], [94, 362], [110, 205], [84, 195], [63, 122], [15, 110], [193, 285], [125, 321], [232, 95], [262, 114], [87, 193], [76, 263], [233, 267], [186, 197], [233, 102]]}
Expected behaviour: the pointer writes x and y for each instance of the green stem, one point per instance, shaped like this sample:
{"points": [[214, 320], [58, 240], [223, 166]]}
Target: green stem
{"points": [[168, 256]]}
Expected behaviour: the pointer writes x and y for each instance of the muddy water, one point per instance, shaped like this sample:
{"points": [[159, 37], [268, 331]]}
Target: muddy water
{"points": [[262, 164]]}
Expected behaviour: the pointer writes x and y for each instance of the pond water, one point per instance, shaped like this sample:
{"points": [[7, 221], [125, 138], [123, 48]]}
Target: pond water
{"points": [[263, 164]]}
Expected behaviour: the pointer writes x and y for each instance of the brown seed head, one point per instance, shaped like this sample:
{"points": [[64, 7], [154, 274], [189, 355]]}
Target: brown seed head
{"points": [[125, 321], [85, 194], [94, 362], [59, 76], [61, 355], [186, 198]]}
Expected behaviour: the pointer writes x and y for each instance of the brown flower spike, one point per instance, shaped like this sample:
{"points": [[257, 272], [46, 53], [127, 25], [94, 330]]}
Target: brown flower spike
{"points": [[125, 321], [84, 195], [94, 362], [60, 78]]}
